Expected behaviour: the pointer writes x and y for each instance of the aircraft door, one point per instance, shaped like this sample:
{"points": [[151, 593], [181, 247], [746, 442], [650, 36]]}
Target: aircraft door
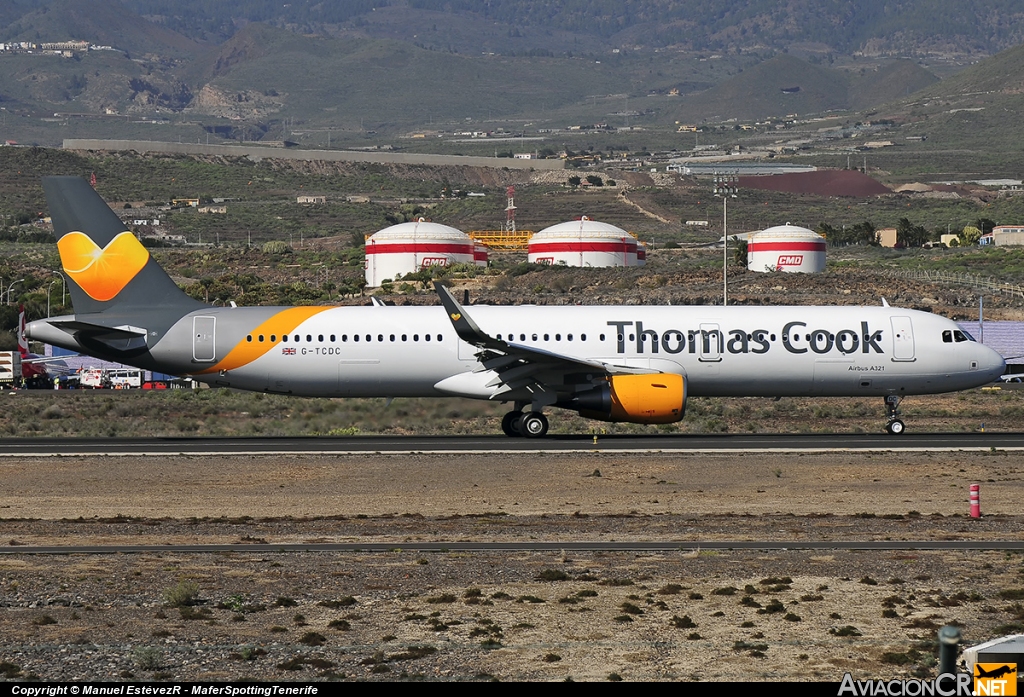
{"points": [[467, 352], [902, 339], [204, 339], [711, 341]]}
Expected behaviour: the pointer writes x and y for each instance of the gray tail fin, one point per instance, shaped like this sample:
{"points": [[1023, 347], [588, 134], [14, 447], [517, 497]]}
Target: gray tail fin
{"points": [[106, 267]]}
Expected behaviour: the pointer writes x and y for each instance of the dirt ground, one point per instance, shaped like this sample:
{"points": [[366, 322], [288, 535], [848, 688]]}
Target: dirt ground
{"points": [[687, 615]]}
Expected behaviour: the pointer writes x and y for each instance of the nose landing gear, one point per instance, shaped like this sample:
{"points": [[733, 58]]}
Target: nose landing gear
{"points": [[894, 425]]}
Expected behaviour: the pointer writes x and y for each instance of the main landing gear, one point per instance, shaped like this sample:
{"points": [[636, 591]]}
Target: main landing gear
{"points": [[531, 424], [894, 424]]}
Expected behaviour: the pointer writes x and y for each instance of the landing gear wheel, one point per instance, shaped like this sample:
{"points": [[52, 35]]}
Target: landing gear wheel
{"points": [[533, 424], [894, 425], [509, 424]]}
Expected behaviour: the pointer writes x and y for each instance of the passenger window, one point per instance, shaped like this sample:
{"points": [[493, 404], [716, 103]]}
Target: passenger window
{"points": [[320, 338], [583, 337], [392, 338], [534, 337], [369, 337], [569, 337], [522, 337], [558, 337], [332, 338], [405, 337], [344, 337], [380, 338], [355, 337], [415, 337], [249, 338], [546, 337], [273, 338], [284, 338], [439, 337]]}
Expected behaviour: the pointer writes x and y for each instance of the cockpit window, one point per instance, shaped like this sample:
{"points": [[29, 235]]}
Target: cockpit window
{"points": [[959, 336], [947, 337]]}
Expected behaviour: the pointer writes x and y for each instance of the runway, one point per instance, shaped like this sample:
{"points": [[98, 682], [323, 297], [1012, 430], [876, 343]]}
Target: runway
{"points": [[558, 546], [666, 444]]}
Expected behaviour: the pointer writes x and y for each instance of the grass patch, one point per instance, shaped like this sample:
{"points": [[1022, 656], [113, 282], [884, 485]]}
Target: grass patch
{"points": [[184, 594]]}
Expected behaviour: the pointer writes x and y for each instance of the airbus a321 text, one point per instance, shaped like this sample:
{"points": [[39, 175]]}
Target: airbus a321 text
{"points": [[613, 363]]}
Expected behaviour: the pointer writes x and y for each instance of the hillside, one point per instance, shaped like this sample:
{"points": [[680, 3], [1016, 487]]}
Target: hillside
{"points": [[971, 111], [881, 27], [267, 82], [103, 22], [886, 83], [388, 82], [778, 86]]}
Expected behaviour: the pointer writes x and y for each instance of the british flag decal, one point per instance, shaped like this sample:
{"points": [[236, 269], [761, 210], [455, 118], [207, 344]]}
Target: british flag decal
{"points": [[287, 351]]}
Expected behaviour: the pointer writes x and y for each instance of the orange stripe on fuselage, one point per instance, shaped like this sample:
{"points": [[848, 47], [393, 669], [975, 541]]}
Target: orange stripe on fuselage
{"points": [[245, 352]]}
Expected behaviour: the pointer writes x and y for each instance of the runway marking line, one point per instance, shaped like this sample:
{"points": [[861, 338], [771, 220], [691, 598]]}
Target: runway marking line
{"points": [[539, 451]]}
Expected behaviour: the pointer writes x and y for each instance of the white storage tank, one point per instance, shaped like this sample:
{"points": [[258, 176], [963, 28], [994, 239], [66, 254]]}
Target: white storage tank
{"points": [[786, 248], [409, 247], [583, 242], [480, 253]]}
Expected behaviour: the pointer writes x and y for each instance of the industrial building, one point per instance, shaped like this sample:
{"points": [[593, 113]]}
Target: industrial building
{"points": [[1008, 235]]}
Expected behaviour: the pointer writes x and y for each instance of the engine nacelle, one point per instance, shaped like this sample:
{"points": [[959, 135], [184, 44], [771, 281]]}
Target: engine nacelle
{"points": [[654, 398]]}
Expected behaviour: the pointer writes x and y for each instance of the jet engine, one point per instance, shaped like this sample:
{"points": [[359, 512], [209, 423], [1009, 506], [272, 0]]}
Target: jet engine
{"points": [[653, 398]]}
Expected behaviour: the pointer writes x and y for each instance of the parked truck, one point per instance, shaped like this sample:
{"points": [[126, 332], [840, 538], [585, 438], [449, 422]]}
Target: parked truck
{"points": [[10, 370]]}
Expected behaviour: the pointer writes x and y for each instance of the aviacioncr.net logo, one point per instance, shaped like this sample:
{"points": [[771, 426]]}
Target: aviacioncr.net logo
{"points": [[946, 685]]}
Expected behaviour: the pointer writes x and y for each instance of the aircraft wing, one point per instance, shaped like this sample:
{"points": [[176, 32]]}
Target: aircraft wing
{"points": [[517, 366]]}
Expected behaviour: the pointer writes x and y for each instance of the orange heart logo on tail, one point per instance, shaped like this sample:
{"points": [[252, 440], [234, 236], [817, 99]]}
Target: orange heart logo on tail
{"points": [[102, 273]]}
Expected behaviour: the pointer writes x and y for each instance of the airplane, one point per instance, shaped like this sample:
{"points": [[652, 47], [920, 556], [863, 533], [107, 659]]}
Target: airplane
{"points": [[36, 371], [636, 364], [998, 672]]}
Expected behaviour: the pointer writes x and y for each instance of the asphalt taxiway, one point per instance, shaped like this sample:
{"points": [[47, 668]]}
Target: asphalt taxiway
{"points": [[351, 445]]}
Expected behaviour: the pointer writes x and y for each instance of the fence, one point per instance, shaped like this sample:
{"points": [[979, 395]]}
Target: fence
{"points": [[966, 279]]}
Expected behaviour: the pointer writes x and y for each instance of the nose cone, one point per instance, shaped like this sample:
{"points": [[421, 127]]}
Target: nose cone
{"points": [[991, 363]]}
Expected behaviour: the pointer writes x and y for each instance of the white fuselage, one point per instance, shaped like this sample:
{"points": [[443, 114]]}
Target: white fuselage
{"points": [[721, 351]]}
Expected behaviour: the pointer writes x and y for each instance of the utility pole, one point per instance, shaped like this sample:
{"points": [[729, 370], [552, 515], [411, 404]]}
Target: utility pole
{"points": [[63, 289], [725, 186]]}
